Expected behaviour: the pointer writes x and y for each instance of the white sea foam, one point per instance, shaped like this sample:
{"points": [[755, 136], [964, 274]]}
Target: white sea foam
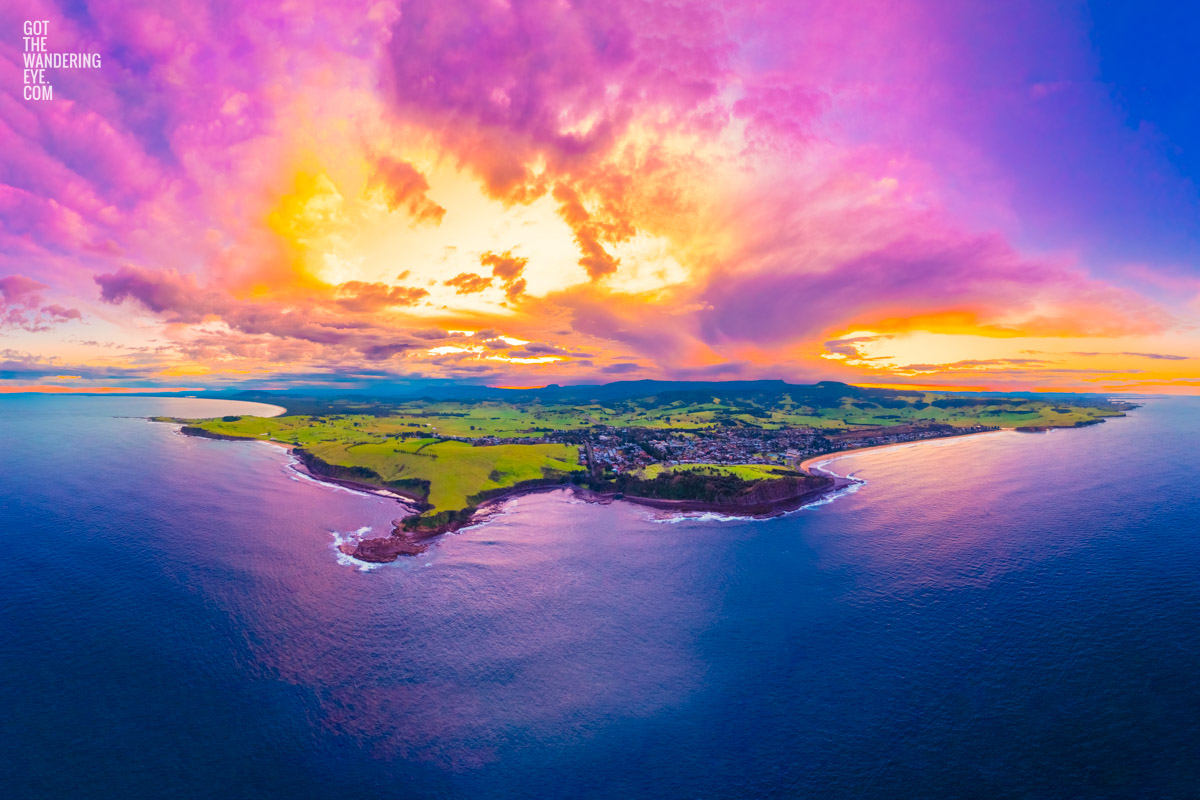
{"points": [[301, 477], [296, 472], [352, 538], [822, 468], [491, 513], [850, 488], [713, 516], [698, 516]]}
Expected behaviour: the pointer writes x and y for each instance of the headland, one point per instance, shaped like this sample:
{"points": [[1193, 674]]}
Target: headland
{"points": [[740, 448]]}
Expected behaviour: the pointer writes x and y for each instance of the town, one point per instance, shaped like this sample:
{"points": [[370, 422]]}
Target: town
{"points": [[610, 449]]}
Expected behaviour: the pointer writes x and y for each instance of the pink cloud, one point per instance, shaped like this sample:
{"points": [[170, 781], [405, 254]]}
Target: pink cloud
{"points": [[406, 188], [506, 83], [360, 296], [780, 114], [920, 275], [22, 305], [809, 166]]}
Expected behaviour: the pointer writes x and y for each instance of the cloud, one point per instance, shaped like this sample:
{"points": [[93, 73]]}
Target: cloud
{"points": [[515, 289], [23, 305], [505, 266], [405, 187], [59, 313], [23, 368], [468, 283], [708, 188], [379, 352], [262, 329], [1159, 356], [360, 296], [533, 349], [621, 369], [981, 364], [19, 289], [160, 292], [1155, 356], [595, 259], [986, 285], [849, 346], [506, 86], [779, 113]]}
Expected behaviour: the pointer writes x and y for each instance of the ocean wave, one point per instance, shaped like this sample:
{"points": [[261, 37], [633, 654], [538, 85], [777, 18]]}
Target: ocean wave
{"points": [[347, 560], [697, 516], [716, 516], [850, 488], [296, 473], [492, 512]]}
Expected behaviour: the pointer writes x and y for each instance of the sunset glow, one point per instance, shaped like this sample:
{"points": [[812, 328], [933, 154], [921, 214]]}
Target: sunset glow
{"points": [[525, 193]]}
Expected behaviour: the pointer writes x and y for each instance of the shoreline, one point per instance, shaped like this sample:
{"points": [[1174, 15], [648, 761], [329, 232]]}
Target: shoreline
{"points": [[300, 467], [761, 510], [405, 542], [402, 541]]}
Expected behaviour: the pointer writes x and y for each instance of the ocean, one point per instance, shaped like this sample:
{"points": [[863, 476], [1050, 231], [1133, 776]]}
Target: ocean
{"points": [[1003, 616]]}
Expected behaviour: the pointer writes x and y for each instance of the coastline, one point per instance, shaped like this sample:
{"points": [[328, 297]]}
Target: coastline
{"points": [[403, 541], [302, 468], [763, 509], [411, 542]]}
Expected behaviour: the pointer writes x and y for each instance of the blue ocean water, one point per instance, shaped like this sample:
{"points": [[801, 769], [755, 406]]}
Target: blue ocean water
{"points": [[998, 616]]}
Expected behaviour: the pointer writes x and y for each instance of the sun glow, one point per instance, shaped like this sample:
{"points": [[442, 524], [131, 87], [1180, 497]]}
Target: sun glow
{"points": [[673, 199]]}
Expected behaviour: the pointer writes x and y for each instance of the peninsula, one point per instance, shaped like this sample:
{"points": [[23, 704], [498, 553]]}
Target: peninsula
{"points": [[730, 447]]}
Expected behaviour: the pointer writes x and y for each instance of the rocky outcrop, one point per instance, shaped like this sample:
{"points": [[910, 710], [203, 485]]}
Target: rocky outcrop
{"points": [[412, 535], [384, 550], [782, 490], [388, 548], [763, 498], [430, 525]]}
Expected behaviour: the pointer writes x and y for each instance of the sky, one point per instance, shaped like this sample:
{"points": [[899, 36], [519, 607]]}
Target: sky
{"points": [[965, 195]]}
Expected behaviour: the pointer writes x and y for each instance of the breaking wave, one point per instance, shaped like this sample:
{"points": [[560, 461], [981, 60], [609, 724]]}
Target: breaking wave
{"points": [[353, 537]]}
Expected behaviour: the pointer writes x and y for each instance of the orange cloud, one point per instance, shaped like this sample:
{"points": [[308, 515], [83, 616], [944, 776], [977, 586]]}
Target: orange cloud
{"points": [[468, 283], [52, 389]]}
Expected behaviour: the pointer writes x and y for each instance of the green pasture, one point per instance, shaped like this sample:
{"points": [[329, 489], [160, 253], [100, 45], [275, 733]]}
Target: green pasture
{"points": [[747, 472], [455, 470], [410, 442]]}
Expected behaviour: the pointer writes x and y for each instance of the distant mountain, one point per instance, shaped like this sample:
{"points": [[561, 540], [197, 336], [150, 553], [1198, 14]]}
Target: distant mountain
{"points": [[820, 393]]}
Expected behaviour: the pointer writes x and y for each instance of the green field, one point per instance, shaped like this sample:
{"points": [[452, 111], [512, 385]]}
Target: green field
{"points": [[534, 419], [410, 444], [456, 471], [747, 472]]}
